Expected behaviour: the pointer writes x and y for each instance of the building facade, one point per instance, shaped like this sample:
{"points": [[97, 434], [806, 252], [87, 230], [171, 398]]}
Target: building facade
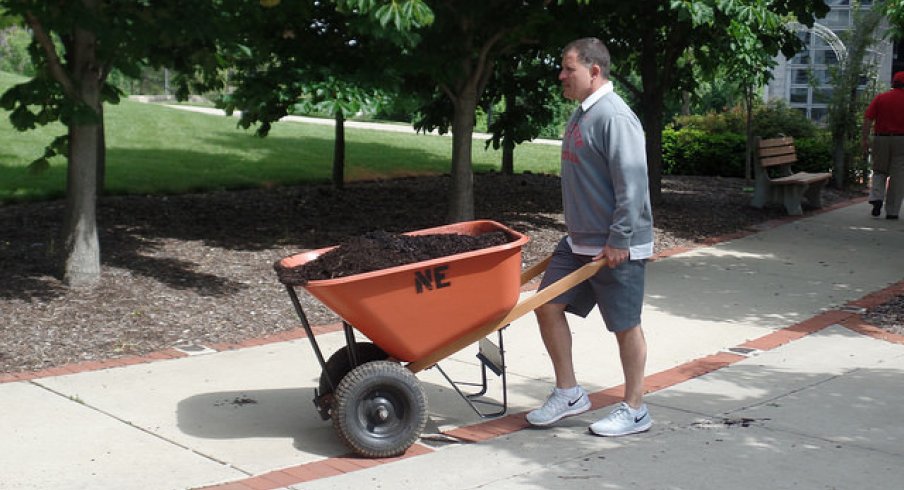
{"points": [[804, 81]]}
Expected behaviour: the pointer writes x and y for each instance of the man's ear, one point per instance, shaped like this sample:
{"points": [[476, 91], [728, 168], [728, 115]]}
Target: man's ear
{"points": [[595, 71]]}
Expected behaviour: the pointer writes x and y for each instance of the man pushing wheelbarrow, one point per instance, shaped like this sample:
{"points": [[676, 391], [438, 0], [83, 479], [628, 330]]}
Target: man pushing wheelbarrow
{"points": [[420, 313], [607, 209]]}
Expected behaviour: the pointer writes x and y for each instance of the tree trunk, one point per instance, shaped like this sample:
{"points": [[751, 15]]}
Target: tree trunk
{"points": [[653, 102], [81, 261], [653, 127], [508, 144], [461, 197], [508, 155], [101, 153], [838, 158], [339, 152], [748, 122]]}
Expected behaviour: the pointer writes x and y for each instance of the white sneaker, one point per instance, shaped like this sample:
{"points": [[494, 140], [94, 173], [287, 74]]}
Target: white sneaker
{"points": [[623, 420], [558, 406]]}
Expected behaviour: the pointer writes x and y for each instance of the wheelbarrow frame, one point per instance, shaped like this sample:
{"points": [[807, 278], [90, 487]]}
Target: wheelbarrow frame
{"points": [[492, 356]]}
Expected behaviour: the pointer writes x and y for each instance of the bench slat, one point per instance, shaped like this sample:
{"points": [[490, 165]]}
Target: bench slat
{"points": [[768, 143], [777, 150], [779, 160], [802, 178]]}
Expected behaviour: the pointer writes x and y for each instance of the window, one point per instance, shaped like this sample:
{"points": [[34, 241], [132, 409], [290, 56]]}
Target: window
{"points": [[823, 95], [799, 95], [819, 114]]}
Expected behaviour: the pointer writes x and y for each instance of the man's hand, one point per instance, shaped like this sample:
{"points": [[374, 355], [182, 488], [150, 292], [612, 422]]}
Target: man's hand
{"points": [[614, 256]]}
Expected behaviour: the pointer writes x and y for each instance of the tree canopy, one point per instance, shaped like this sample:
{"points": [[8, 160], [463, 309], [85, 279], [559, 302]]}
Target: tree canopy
{"points": [[453, 54]]}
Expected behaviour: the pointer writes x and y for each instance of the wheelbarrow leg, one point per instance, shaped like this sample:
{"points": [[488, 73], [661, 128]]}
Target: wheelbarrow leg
{"points": [[491, 358], [307, 328], [351, 343]]}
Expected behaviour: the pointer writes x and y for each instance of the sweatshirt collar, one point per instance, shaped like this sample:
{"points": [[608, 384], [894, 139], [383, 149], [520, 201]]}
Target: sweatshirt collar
{"points": [[595, 96]]}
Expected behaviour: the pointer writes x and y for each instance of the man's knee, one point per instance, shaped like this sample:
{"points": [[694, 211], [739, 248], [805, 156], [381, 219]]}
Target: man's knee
{"points": [[550, 315]]}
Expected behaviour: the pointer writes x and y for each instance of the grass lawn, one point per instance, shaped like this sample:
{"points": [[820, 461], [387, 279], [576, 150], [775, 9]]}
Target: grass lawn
{"points": [[153, 149]]}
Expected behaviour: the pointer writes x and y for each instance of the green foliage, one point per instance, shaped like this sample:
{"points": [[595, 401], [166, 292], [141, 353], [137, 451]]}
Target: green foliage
{"points": [[696, 152], [776, 119], [894, 11], [526, 91], [773, 119], [14, 57], [311, 58], [404, 15], [714, 143], [814, 153], [713, 122]]}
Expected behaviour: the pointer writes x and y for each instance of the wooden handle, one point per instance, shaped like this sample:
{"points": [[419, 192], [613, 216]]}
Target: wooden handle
{"points": [[529, 304], [534, 270]]}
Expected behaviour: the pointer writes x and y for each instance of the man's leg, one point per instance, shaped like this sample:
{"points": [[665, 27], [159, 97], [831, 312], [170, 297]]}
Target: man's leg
{"points": [[557, 338], [632, 347], [877, 191], [567, 398], [895, 194], [630, 416]]}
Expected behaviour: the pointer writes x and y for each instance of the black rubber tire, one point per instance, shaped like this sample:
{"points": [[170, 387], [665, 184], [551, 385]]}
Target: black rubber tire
{"points": [[380, 409], [338, 365]]}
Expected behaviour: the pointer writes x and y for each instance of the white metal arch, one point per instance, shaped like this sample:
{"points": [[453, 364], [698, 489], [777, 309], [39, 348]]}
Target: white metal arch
{"points": [[826, 34]]}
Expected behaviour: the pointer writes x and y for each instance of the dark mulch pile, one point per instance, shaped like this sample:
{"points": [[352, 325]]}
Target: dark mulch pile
{"points": [[890, 316], [198, 269], [379, 250]]}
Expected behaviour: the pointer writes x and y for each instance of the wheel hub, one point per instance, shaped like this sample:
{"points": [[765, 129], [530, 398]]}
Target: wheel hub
{"points": [[381, 410]]}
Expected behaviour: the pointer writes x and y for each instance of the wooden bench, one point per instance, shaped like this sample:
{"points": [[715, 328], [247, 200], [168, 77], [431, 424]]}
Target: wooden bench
{"points": [[776, 183]]}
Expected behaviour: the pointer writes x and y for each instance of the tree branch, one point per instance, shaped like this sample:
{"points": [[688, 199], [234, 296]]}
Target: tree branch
{"points": [[626, 83], [484, 62], [53, 61]]}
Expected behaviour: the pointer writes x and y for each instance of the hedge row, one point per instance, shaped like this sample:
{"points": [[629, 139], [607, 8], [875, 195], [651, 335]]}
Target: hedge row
{"points": [[714, 144], [695, 152]]}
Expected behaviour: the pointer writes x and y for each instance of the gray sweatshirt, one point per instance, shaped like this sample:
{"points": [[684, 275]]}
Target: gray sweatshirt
{"points": [[605, 191]]}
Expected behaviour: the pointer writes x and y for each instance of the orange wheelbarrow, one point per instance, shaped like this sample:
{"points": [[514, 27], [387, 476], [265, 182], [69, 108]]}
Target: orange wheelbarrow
{"points": [[414, 316]]}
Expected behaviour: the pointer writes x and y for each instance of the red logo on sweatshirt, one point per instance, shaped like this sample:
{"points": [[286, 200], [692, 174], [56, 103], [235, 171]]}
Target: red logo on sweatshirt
{"points": [[572, 141]]}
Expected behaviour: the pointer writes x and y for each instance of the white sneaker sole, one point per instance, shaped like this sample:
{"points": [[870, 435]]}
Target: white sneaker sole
{"points": [[633, 430], [569, 413]]}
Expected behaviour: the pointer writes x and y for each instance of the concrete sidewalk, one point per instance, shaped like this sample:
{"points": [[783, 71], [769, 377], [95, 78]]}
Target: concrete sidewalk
{"points": [[759, 370]]}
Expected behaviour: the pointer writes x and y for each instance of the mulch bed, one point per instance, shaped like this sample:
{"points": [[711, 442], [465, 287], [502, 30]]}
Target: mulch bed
{"points": [[198, 269]]}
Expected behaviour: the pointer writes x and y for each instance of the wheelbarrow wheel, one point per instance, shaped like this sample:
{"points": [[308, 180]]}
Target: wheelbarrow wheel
{"points": [[380, 409], [336, 367]]}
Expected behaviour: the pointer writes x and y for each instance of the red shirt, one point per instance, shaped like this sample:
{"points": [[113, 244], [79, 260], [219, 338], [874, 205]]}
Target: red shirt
{"points": [[887, 109]]}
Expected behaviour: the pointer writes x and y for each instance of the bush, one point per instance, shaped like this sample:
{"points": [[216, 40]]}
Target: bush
{"points": [[814, 154], [732, 121], [713, 144], [776, 119], [14, 57], [695, 152]]}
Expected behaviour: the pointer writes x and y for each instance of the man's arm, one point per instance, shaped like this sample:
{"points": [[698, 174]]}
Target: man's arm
{"points": [[864, 135]]}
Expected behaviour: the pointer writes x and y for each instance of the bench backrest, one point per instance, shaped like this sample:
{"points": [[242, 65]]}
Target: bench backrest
{"points": [[776, 151]]}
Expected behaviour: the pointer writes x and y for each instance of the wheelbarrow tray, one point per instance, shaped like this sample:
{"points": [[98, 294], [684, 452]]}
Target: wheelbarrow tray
{"points": [[415, 309]]}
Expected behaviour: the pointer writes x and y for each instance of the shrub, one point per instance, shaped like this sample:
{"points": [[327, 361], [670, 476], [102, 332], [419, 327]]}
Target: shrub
{"points": [[14, 57], [814, 154], [776, 119], [691, 151], [714, 122], [713, 144]]}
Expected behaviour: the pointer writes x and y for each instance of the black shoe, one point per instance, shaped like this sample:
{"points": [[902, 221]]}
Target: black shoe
{"points": [[891, 216], [877, 207]]}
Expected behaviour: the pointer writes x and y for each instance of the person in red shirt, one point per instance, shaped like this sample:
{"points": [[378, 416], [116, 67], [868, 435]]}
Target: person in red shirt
{"points": [[885, 115]]}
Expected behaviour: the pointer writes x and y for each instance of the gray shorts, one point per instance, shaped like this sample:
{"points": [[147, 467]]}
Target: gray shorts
{"points": [[618, 292]]}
